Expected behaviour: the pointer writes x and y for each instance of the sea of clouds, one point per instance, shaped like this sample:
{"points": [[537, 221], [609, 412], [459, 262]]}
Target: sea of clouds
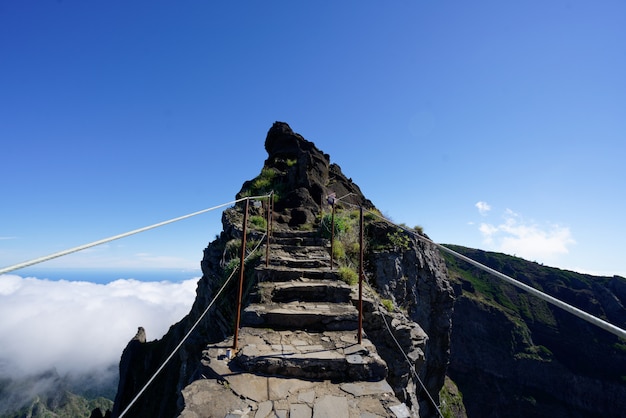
{"points": [[76, 328]]}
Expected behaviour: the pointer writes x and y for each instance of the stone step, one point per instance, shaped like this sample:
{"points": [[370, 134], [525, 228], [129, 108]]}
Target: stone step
{"points": [[333, 355], [309, 316], [294, 233], [311, 251], [296, 241], [300, 263], [304, 290], [274, 273], [227, 390]]}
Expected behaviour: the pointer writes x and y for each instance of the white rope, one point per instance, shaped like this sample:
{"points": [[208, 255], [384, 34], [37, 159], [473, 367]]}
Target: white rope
{"points": [[113, 238], [538, 293], [406, 357], [556, 302], [186, 335]]}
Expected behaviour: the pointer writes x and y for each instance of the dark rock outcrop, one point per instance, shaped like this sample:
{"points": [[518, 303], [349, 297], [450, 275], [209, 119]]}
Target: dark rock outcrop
{"points": [[301, 177], [517, 356]]}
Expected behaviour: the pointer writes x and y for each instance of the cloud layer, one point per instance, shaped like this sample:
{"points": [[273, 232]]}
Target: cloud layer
{"points": [[78, 326]]}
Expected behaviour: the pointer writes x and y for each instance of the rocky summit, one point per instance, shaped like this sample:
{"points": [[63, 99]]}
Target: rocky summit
{"points": [[297, 351]]}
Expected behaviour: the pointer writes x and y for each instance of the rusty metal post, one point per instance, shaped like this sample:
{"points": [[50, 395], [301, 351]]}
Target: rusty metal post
{"points": [[267, 232], [332, 236], [271, 214], [360, 334], [241, 273]]}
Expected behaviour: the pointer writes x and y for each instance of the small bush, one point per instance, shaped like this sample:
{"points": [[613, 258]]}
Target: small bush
{"points": [[258, 222], [340, 225], [348, 275], [388, 304], [399, 241], [339, 251]]}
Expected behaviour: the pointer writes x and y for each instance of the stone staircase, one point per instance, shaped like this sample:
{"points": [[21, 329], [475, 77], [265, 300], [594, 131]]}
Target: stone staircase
{"points": [[298, 354]]}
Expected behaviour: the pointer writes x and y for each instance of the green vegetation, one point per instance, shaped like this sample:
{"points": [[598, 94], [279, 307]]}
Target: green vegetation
{"points": [[348, 275], [291, 162], [263, 183], [346, 247], [267, 181], [258, 222], [388, 304], [399, 240], [339, 251], [451, 400], [65, 405]]}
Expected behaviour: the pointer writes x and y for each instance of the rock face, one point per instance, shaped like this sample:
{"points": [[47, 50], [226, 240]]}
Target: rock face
{"points": [[514, 355], [299, 319]]}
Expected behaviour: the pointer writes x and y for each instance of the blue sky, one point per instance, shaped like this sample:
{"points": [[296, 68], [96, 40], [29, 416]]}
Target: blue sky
{"points": [[494, 125]]}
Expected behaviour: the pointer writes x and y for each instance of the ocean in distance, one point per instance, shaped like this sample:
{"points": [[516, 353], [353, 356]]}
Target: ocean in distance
{"points": [[107, 275]]}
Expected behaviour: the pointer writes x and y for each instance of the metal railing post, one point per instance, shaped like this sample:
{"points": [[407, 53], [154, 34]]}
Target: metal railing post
{"points": [[267, 231], [241, 274], [360, 334], [332, 236]]}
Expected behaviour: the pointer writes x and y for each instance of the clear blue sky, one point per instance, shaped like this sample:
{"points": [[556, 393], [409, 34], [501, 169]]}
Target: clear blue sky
{"points": [[495, 125]]}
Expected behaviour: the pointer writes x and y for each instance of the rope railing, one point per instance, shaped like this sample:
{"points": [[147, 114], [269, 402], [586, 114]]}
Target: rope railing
{"points": [[243, 259], [116, 237], [607, 326]]}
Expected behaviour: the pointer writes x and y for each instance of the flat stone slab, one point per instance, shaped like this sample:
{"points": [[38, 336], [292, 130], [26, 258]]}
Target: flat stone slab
{"points": [[283, 273], [305, 290], [324, 355], [331, 407], [317, 316], [367, 388]]}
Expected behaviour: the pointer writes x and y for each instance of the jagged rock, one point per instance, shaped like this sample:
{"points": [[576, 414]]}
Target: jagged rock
{"points": [[513, 354], [302, 177]]}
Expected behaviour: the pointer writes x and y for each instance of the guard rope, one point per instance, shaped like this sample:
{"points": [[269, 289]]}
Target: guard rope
{"points": [[116, 237], [607, 326], [406, 357], [189, 332]]}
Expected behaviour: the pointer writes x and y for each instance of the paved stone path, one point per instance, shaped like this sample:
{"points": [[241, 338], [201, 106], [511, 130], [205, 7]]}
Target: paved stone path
{"points": [[298, 355]]}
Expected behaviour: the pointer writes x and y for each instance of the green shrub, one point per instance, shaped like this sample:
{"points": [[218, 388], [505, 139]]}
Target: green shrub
{"points": [[399, 240], [388, 304], [258, 222], [263, 182], [348, 275], [231, 266], [339, 251], [340, 225]]}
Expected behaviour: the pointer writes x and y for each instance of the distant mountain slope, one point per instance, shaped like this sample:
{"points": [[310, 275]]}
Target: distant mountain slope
{"points": [[514, 355], [49, 394]]}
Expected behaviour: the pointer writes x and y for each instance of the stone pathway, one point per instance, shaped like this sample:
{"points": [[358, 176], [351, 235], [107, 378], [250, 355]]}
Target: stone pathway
{"points": [[298, 354]]}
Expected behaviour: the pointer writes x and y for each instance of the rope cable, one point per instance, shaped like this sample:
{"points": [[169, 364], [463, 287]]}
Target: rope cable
{"points": [[186, 335], [607, 326], [406, 357], [116, 237]]}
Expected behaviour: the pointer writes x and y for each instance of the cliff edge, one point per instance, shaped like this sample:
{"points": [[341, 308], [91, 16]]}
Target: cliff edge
{"points": [[409, 280]]}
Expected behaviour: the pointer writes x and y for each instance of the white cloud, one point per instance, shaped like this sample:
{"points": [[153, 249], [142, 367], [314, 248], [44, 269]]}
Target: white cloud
{"points": [[80, 326], [483, 207], [527, 239]]}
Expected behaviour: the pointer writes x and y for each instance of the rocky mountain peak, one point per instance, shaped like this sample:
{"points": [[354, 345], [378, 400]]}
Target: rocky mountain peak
{"points": [[299, 316], [302, 176]]}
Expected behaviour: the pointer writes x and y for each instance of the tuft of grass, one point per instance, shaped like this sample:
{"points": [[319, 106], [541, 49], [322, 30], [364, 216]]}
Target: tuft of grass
{"points": [[339, 252], [258, 222], [388, 304], [348, 275]]}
